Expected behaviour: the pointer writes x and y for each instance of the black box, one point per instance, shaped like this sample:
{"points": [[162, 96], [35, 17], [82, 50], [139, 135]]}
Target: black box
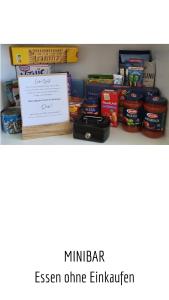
{"points": [[91, 128]]}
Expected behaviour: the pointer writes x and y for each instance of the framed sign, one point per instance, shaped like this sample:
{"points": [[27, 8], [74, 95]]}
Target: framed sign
{"points": [[44, 105]]}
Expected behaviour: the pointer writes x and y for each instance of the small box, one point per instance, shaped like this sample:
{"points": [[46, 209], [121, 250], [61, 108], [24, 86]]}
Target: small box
{"points": [[34, 55], [77, 88], [149, 74], [90, 128], [12, 92], [100, 78], [109, 106], [33, 70]]}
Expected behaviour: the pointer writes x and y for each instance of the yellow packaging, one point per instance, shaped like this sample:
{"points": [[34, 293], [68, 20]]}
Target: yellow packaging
{"points": [[43, 55]]}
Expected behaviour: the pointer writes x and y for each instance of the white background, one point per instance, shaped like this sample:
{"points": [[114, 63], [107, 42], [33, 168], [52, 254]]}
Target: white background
{"points": [[63, 197]]}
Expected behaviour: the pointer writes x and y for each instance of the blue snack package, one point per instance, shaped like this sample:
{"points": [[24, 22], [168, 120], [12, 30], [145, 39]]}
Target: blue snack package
{"points": [[134, 67], [77, 88], [135, 76]]}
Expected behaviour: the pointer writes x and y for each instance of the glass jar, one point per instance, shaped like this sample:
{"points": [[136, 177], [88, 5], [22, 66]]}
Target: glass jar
{"points": [[91, 107], [132, 112], [154, 116]]}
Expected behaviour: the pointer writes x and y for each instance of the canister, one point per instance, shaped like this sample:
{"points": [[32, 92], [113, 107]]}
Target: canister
{"points": [[11, 120], [154, 116], [132, 112]]}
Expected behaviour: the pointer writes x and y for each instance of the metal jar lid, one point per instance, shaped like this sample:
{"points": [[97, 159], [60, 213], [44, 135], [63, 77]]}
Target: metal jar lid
{"points": [[156, 100]]}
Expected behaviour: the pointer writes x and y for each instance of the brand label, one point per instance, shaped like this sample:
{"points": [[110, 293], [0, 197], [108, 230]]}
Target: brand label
{"points": [[24, 68], [155, 122], [93, 110], [149, 76], [152, 116], [33, 70], [132, 117], [133, 95], [132, 111]]}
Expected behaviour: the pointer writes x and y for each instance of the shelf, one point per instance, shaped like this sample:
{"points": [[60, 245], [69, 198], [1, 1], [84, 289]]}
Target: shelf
{"points": [[117, 137]]}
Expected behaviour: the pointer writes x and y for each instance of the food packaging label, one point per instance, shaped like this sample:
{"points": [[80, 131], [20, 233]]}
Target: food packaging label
{"points": [[109, 106], [149, 74]]}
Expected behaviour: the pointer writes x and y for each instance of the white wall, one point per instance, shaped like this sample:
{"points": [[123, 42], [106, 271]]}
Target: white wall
{"points": [[97, 59], [161, 55], [7, 72]]}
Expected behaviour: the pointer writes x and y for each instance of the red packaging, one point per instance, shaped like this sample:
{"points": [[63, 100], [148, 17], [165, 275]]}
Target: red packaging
{"points": [[122, 98], [109, 106]]}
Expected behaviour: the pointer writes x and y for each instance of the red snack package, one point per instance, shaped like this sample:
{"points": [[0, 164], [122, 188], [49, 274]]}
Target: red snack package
{"points": [[109, 106], [122, 98]]}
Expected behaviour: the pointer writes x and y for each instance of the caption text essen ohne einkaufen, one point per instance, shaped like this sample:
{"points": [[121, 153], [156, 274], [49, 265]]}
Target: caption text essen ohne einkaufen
{"points": [[92, 276]]}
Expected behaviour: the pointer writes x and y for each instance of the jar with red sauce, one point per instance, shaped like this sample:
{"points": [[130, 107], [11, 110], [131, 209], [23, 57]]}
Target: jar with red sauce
{"points": [[91, 106], [154, 116], [132, 112]]}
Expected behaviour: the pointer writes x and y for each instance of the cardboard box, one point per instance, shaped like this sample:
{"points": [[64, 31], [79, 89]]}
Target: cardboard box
{"points": [[77, 88], [149, 74], [100, 78], [43, 55], [12, 93], [109, 106], [33, 70]]}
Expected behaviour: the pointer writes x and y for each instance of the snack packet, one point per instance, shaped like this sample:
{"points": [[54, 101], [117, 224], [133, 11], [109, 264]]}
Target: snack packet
{"points": [[117, 79], [137, 73], [135, 76], [109, 106]]}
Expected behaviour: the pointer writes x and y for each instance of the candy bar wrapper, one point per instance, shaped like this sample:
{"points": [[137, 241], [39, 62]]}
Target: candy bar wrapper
{"points": [[33, 70]]}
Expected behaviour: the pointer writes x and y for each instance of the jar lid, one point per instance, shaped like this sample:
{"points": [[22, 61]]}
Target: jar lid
{"points": [[134, 96], [11, 111], [156, 100], [151, 92]]}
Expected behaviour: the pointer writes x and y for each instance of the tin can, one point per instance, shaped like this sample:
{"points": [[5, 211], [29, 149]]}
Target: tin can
{"points": [[11, 120]]}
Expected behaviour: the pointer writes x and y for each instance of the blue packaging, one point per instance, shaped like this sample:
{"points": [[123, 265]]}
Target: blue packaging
{"points": [[77, 88], [151, 92], [94, 90], [11, 120], [69, 79], [91, 106]]}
